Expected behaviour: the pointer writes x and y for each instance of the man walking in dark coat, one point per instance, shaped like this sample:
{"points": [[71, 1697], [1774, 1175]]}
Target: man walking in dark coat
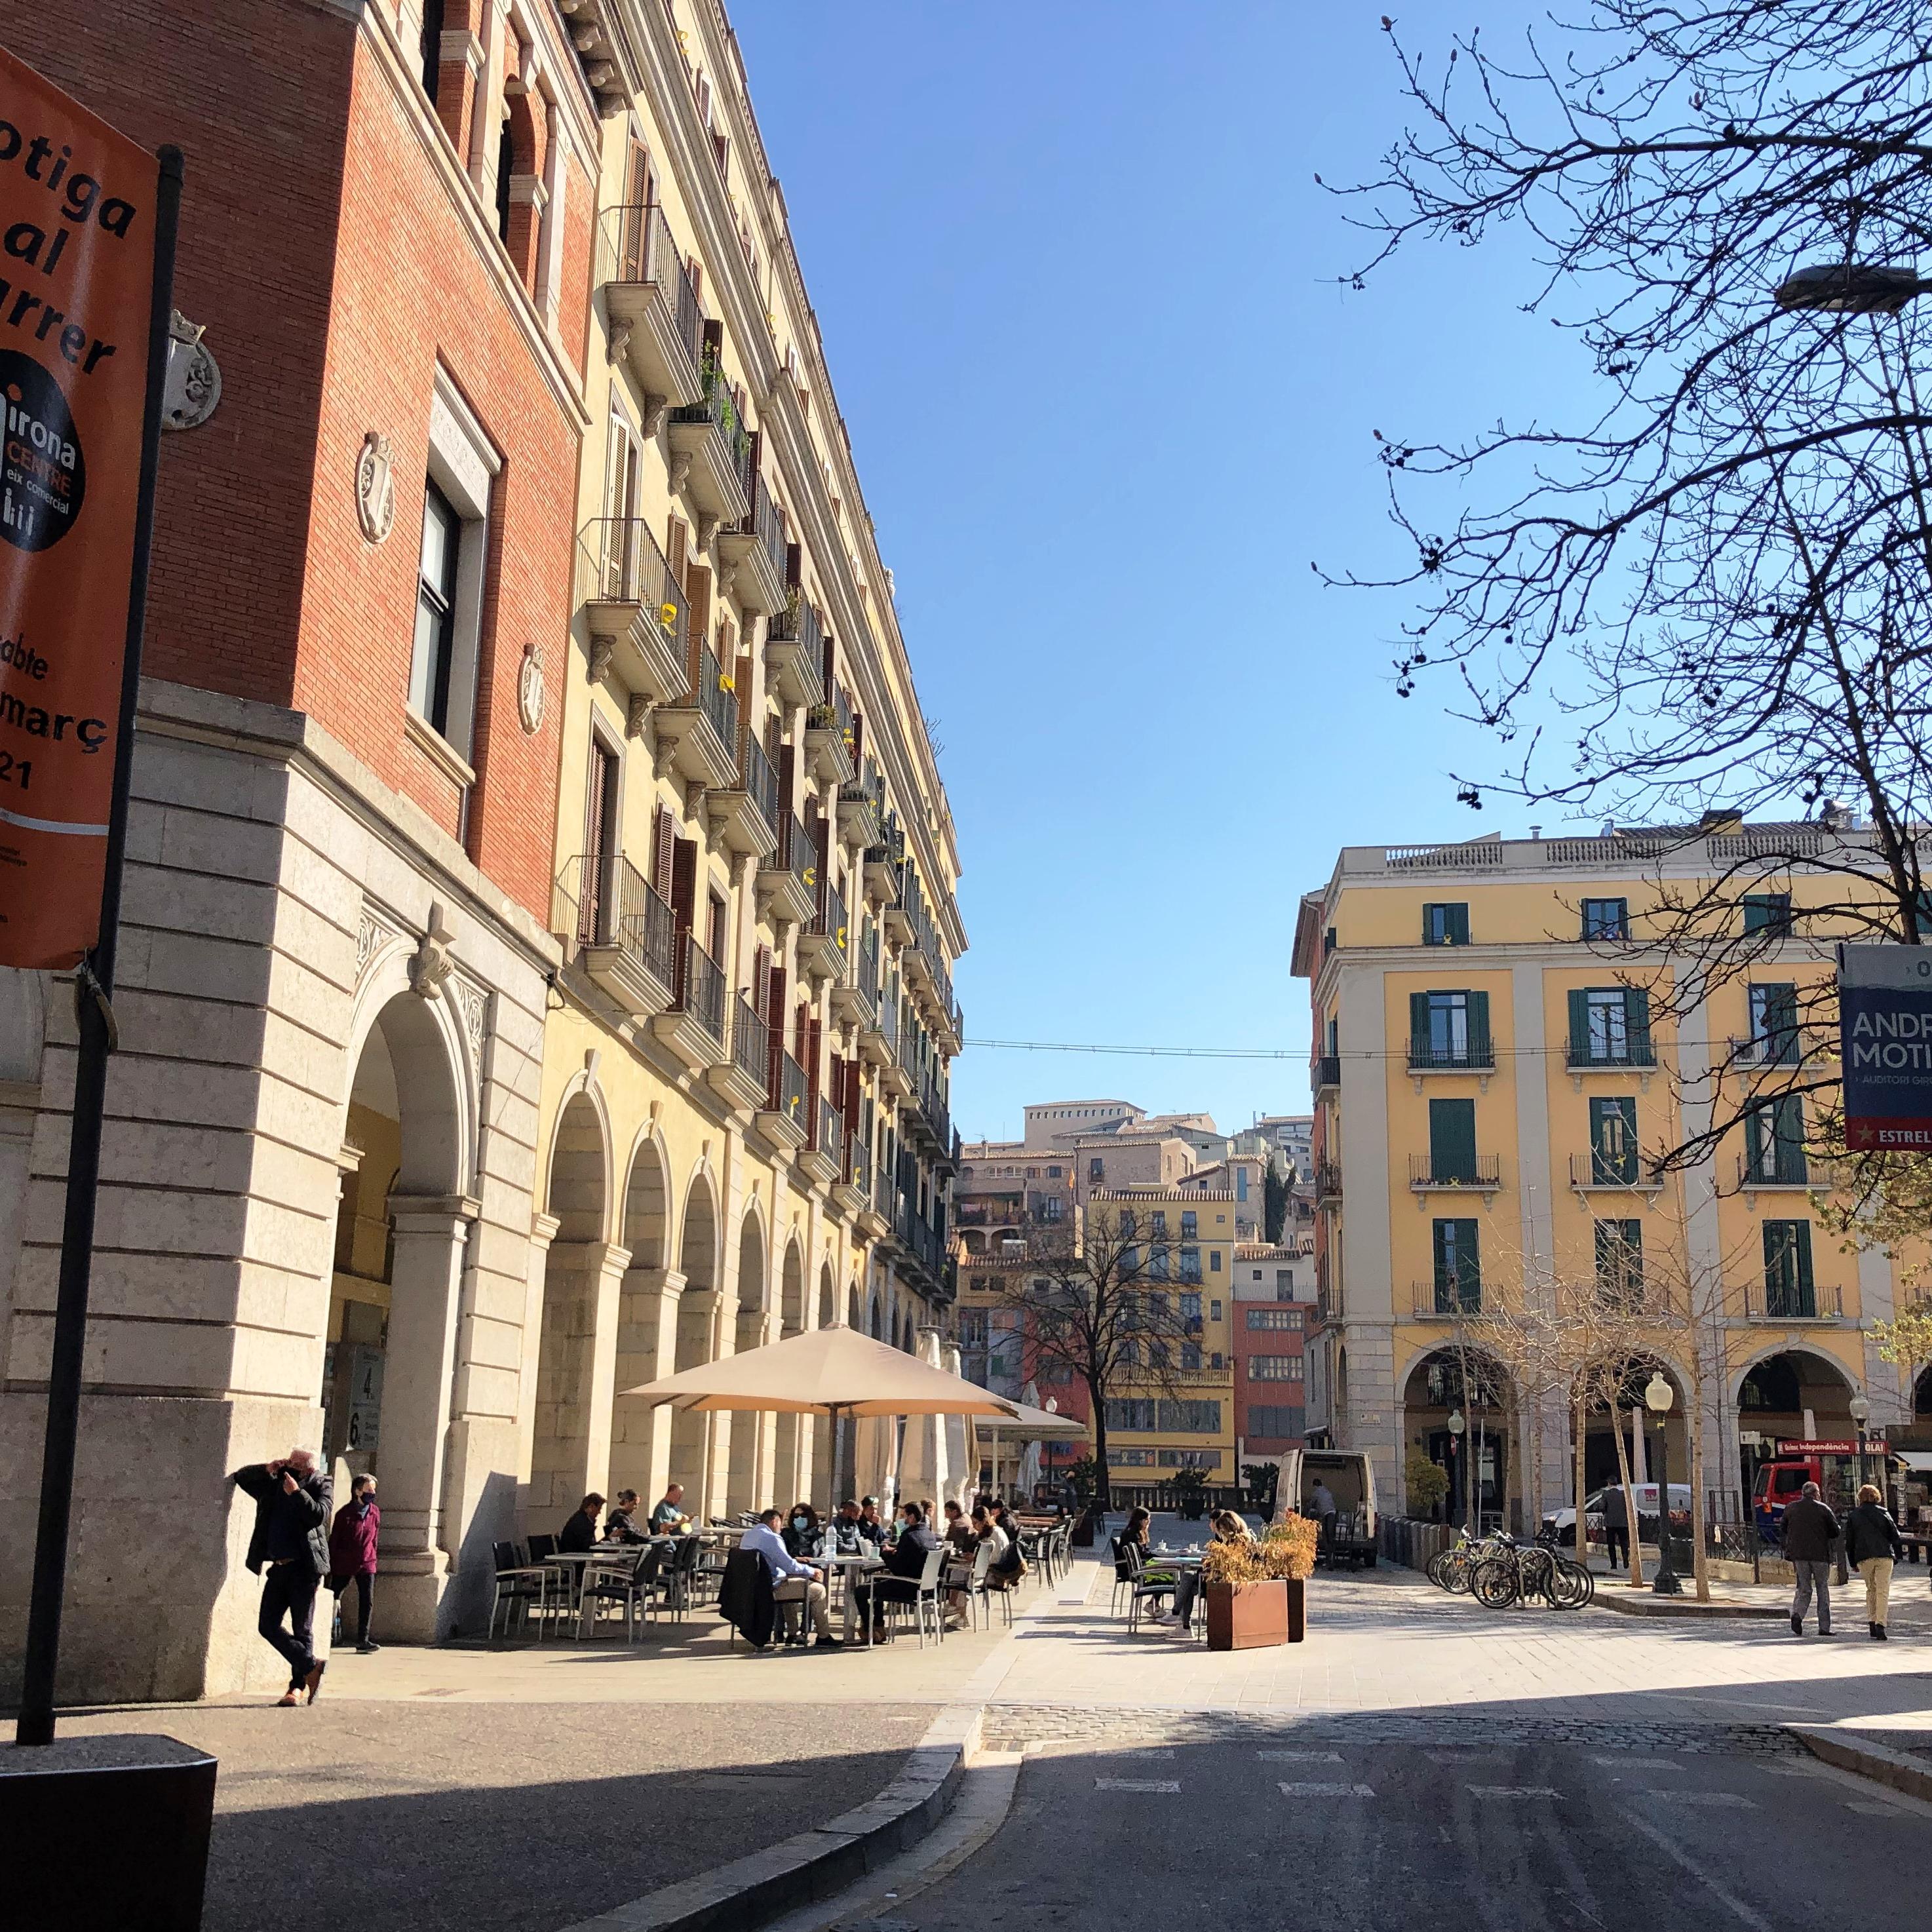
{"points": [[1616, 1524], [1810, 1529], [288, 1550]]}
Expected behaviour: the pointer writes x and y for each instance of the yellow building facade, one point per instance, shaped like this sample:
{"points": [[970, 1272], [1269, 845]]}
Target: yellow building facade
{"points": [[1503, 1042], [744, 1126]]}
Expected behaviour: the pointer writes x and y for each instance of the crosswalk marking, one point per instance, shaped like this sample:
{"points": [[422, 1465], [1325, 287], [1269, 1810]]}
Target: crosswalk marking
{"points": [[1873, 1807], [1299, 1757], [1641, 1763], [1327, 1791], [1732, 1800], [1514, 1791], [1136, 1784]]}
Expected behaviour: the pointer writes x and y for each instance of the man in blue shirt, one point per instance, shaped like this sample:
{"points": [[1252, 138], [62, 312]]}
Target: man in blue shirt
{"points": [[792, 1581]]}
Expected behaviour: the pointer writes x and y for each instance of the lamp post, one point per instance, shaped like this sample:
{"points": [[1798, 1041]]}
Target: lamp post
{"points": [[1657, 1398], [1849, 288], [1456, 1426], [1861, 1409]]}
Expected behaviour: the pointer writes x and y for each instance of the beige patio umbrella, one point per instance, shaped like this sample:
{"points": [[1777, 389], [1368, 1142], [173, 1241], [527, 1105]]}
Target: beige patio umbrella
{"points": [[833, 1372], [1027, 1424]]}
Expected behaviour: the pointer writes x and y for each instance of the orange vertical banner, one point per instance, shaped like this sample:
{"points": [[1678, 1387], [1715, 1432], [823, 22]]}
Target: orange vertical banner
{"points": [[77, 204]]}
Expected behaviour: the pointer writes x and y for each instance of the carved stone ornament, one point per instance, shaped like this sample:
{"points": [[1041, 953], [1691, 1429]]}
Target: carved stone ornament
{"points": [[375, 487], [431, 964], [193, 386], [530, 689]]}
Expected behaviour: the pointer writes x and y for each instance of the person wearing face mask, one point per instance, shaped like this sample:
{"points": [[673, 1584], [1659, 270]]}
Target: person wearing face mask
{"points": [[801, 1530]]}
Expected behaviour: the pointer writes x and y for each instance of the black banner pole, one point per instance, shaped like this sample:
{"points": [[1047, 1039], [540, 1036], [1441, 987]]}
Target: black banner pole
{"points": [[94, 989]]}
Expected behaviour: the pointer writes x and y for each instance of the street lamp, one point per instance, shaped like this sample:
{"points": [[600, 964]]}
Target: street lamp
{"points": [[1456, 1426], [1849, 288], [1657, 1398], [1861, 1410]]}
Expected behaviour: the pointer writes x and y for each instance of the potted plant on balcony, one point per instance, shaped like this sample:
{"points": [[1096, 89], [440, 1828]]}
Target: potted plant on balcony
{"points": [[1189, 1503], [820, 718], [1257, 1592]]}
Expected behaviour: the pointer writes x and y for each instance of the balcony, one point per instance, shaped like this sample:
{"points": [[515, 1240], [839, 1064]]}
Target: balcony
{"points": [[741, 1079], [921, 1243], [710, 451], [623, 933], [1782, 1170], [854, 1004], [634, 610], [1327, 1181], [699, 733], [693, 1030], [1469, 1056], [1325, 1075], [822, 1159], [879, 1044], [651, 305], [1610, 1052], [787, 888], [743, 816], [826, 757], [821, 946], [1793, 1301], [851, 1191], [1446, 1301], [752, 554], [859, 811], [784, 1124], [1780, 1048], [882, 875], [1603, 1173], [875, 1218], [1478, 1173], [795, 648], [948, 1027]]}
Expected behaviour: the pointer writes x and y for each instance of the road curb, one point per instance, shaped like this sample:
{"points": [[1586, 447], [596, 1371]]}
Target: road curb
{"points": [[1880, 1762], [817, 1864], [1643, 1604]]}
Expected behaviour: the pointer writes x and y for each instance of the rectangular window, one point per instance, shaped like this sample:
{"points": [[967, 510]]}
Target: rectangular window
{"points": [[1191, 1418], [1769, 913], [1132, 1412], [1606, 919], [1213, 1311], [1272, 1419], [1188, 1229], [1613, 1140], [1774, 1025], [1620, 1262], [1190, 1310], [1610, 1026], [1190, 1265], [1158, 1228], [1131, 1458], [1774, 1141], [972, 1327], [1452, 1141], [1459, 1280], [1156, 1264], [1241, 1184], [1450, 1029], [1274, 1368], [1053, 1174], [433, 660], [1213, 1260], [1127, 1225], [1265, 1317], [1445, 926], [1190, 1354], [1788, 1291], [1096, 1170]]}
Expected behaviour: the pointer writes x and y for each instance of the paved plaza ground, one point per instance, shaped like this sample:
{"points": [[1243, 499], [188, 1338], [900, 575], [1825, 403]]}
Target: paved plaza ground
{"points": [[531, 1786]]}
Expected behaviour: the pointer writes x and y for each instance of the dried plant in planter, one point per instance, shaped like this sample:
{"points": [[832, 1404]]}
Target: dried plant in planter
{"points": [[1233, 1563], [1287, 1548]]}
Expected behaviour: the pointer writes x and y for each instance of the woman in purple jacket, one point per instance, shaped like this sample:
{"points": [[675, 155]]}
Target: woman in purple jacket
{"points": [[352, 1552]]}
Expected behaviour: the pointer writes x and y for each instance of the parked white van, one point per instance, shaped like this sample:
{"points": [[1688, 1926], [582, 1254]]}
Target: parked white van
{"points": [[1562, 1523], [1350, 1480]]}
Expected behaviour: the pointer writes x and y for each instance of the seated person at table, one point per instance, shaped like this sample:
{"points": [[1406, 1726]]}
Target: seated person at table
{"points": [[1006, 1565], [905, 1565], [872, 1526], [1136, 1531], [619, 1526], [845, 1528], [669, 1517], [1228, 1528], [580, 1533], [958, 1530], [792, 1581], [801, 1530]]}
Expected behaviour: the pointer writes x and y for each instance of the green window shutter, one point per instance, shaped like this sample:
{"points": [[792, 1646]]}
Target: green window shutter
{"points": [[1781, 1023], [1613, 1138], [1757, 1153], [1452, 1140], [1458, 924], [1579, 1023], [1637, 1016], [1418, 1026], [1480, 1054], [1802, 1243]]}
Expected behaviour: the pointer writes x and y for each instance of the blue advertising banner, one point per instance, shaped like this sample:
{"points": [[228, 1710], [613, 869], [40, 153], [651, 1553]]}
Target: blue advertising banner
{"points": [[1885, 1010]]}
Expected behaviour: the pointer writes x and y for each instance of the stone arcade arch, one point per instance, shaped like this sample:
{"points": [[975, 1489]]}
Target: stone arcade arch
{"points": [[647, 1310], [751, 1435], [1786, 1392], [698, 1261], [1437, 1385], [797, 1443], [576, 1351], [395, 1282]]}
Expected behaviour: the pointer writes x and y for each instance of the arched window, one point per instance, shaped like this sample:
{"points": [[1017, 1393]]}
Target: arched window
{"points": [[430, 47]]}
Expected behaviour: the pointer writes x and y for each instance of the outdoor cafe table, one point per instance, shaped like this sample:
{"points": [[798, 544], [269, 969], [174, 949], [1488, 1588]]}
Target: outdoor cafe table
{"points": [[603, 1556], [853, 1567]]}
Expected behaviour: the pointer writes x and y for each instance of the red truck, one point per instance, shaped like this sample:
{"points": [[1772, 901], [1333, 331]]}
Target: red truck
{"points": [[1835, 1465]]}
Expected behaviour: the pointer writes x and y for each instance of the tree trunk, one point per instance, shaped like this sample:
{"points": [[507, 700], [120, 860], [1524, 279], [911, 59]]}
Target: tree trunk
{"points": [[1096, 1400], [1510, 1434], [1583, 1526], [1700, 1559], [1631, 1511]]}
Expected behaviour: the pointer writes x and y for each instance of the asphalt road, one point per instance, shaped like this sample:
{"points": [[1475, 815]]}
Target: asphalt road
{"points": [[1377, 1837]]}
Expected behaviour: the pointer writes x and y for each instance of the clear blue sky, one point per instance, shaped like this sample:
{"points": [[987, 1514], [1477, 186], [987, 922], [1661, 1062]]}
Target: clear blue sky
{"points": [[1075, 282]]}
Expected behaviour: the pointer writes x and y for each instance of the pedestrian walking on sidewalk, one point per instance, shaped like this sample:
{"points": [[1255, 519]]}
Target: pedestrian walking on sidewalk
{"points": [[352, 1554], [1873, 1545], [1616, 1524], [288, 1549], [1810, 1529]]}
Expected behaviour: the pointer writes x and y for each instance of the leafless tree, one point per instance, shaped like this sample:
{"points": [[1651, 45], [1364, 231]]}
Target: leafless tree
{"points": [[1099, 1301]]}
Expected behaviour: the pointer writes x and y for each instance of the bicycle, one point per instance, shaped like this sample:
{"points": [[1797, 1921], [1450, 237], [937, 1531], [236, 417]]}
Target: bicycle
{"points": [[1517, 1571]]}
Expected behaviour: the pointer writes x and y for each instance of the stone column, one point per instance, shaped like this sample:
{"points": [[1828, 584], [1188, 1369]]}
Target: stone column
{"points": [[543, 1232], [647, 1350], [418, 1372], [581, 1287]]}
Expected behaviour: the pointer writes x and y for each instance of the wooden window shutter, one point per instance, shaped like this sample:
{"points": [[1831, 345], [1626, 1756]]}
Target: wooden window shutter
{"points": [[788, 760], [698, 600], [684, 882], [761, 980], [775, 1002], [794, 566], [1418, 1023], [1637, 1012], [830, 649], [1580, 1019], [676, 540], [1479, 1027], [824, 845], [742, 676], [664, 839], [714, 339]]}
